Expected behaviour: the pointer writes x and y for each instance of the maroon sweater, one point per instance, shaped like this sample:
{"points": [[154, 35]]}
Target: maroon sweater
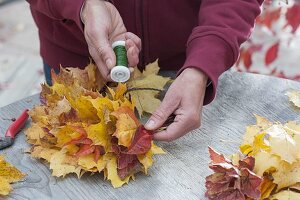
{"points": [[204, 34]]}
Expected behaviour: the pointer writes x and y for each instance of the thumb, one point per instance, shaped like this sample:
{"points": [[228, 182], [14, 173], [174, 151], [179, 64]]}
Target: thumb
{"points": [[105, 51], [158, 118]]}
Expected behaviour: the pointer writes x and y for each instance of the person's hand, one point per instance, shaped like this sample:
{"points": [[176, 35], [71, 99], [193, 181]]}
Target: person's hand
{"points": [[184, 99], [103, 25]]}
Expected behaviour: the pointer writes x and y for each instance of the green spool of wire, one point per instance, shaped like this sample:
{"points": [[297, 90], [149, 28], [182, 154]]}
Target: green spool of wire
{"points": [[120, 73]]}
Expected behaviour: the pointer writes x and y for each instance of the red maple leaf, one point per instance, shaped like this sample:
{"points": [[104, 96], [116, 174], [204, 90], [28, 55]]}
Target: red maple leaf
{"points": [[128, 164], [272, 54], [293, 17], [141, 142]]}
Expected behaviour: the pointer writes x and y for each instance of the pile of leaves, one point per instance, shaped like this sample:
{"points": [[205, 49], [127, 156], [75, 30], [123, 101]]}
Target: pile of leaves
{"points": [[269, 167], [231, 180], [8, 174], [78, 129]]}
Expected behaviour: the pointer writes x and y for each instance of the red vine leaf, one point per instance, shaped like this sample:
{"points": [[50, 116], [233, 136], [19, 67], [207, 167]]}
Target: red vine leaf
{"points": [[272, 54]]}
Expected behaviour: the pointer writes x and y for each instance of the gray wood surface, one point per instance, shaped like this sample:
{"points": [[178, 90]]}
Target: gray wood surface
{"points": [[180, 174]]}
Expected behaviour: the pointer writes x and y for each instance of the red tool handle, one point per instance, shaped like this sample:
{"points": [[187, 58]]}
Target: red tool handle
{"points": [[17, 125]]}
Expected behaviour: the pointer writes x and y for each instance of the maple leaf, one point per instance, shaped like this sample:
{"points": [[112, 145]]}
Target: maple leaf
{"points": [[141, 142], [294, 97], [261, 166], [59, 164], [112, 173], [8, 174], [279, 138], [286, 195], [147, 159], [126, 125], [271, 54], [144, 88], [230, 181], [293, 17], [276, 155]]}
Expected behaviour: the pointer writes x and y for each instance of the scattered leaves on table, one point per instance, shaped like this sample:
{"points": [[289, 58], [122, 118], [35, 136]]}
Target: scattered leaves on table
{"points": [[273, 149], [78, 129], [8, 174]]}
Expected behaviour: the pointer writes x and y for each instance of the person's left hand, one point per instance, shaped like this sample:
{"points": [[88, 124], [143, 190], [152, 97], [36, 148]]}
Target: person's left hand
{"points": [[184, 99]]}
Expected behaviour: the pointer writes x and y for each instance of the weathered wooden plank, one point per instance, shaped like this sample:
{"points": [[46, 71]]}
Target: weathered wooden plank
{"points": [[181, 173]]}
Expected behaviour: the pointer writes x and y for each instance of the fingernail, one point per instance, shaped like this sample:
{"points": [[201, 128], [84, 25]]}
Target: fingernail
{"points": [[150, 124], [108, 63]]}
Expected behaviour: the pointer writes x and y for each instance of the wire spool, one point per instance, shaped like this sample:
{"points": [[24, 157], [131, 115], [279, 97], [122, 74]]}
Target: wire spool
{"points": [[120, 73]]}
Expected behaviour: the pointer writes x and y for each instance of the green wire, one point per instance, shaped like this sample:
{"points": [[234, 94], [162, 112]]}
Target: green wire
{"points": [[121, 56]]}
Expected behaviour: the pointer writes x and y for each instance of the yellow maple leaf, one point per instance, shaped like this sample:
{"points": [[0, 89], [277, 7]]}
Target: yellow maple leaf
{"points": [[41, 152], [287, 174], [104, 106], [34, 134], [146, 159], [8, 174], [87, 163], [265, 162], [59, 166], [140, 88], [126, 125], [294, 97], [5, 187], [112, 173], [89, 77], [286, 195], [98, 134], [259, 144], [282, 144], [252, 130], [38, 115]]}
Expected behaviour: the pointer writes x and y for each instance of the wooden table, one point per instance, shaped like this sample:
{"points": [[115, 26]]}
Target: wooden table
{"points": [[180, 174]]}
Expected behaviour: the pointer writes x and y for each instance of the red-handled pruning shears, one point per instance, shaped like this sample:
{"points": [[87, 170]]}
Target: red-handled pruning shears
{"points": [[13, 130]]}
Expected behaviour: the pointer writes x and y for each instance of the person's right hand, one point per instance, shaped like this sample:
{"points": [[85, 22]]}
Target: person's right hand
{"points": [[103, 25]]}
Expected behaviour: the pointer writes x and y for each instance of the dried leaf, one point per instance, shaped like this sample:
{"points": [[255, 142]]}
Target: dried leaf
{"points": [[141, 142], [294, 97], [267, 187], [286, 195], [8, 174], [282, 144], [126, 125], [230, 181], [145, 99]]}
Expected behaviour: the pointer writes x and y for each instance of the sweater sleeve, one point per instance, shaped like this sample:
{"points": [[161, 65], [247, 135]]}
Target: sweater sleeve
{"points": [[59, 9], [213, 46]]}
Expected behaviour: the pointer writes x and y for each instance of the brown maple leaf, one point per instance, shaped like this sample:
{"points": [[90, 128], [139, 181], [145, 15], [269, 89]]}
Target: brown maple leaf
{"points": [[230, 181]]}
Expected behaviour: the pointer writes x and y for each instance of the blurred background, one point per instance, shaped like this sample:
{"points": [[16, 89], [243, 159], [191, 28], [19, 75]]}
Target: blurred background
{"points": [[273, 48]]}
